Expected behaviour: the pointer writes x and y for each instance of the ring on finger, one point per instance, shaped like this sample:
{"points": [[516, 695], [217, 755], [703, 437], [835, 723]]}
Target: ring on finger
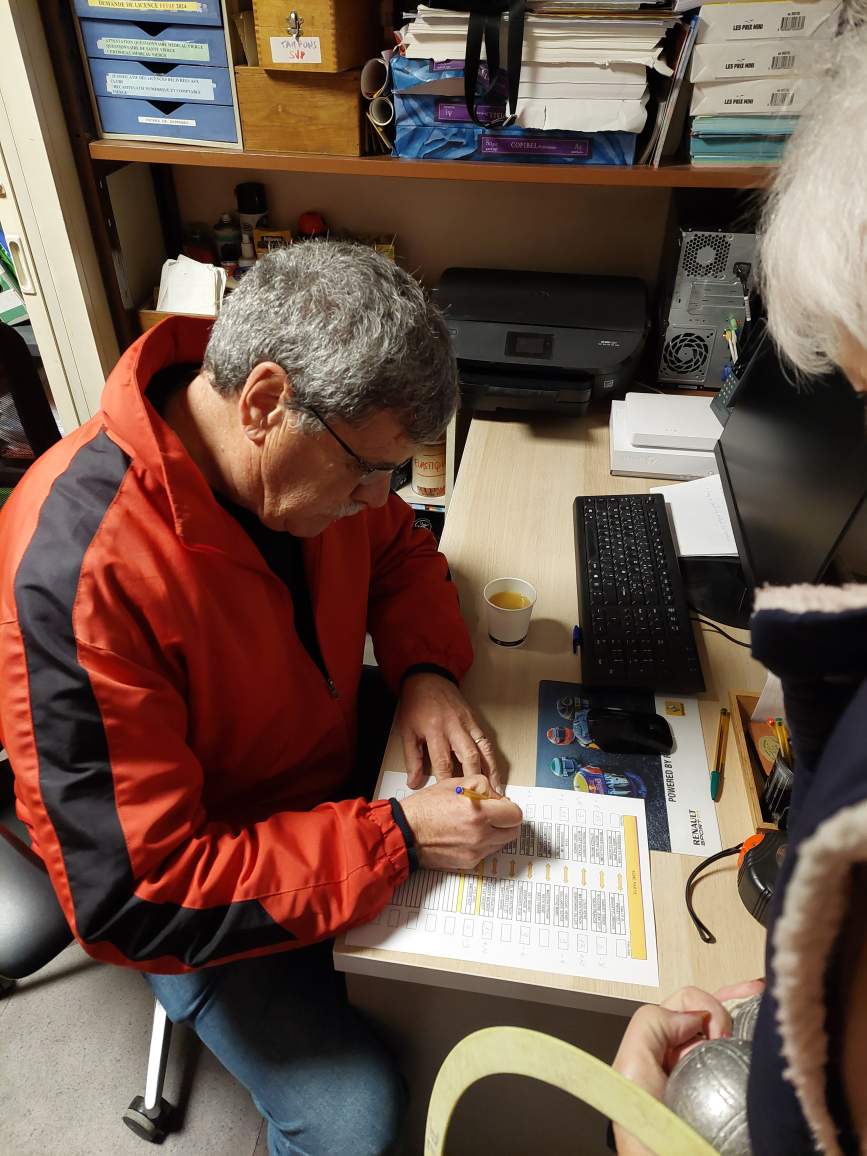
{"points": [[479, 738]]}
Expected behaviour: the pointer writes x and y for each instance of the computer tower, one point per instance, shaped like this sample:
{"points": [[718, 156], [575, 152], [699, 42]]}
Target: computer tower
{"points": [[705, 290]]}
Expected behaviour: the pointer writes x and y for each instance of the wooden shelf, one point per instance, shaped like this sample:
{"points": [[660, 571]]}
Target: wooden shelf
{"points": [[631, 176]]}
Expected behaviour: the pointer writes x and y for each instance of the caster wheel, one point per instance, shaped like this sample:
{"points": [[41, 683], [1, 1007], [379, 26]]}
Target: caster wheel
{"points": [[6, 985], [149, 1124]]}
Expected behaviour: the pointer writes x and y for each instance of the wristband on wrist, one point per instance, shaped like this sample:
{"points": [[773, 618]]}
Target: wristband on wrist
{"points": [[397, 813]]}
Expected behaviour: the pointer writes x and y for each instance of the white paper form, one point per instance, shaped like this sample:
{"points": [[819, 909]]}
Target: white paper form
{"points": [[699, 517], [570, 896]]}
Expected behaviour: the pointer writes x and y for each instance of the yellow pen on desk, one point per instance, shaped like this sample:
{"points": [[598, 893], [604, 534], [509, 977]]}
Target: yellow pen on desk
{"points": [[716, 774]]}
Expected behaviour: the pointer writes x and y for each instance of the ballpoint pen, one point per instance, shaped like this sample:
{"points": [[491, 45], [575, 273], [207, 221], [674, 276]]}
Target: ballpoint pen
{"points": [[469, 793], [720, 757]]}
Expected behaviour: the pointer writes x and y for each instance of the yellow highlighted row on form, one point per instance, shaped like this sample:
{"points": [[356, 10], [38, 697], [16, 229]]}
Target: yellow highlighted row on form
{"points": [[634, 899]]}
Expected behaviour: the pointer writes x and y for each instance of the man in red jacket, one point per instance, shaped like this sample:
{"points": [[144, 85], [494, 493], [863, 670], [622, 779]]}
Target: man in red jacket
{"points": [[186, 583]]}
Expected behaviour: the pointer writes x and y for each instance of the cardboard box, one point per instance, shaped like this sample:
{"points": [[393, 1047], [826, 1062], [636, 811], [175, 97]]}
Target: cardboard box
{"points": [[178, 43], [334, 34], [282, 112], [164, 11], [749, 59], [727, 98], [764, 21]]}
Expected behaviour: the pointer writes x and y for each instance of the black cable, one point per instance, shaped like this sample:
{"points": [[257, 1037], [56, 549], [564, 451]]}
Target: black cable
{"points": [[704, 931], [719, 630]]}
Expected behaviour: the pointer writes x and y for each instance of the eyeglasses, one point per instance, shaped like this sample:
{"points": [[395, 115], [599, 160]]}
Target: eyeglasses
{"points": [[367, 470]]}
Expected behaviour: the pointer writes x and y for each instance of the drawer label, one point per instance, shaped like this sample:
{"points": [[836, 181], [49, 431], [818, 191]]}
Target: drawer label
{"points": [[171, 87], [154, 49], [174, 120], [151, 5], [296, 50]]}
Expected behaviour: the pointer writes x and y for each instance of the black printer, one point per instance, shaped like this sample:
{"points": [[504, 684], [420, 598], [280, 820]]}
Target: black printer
{"points": [[542, 341]]}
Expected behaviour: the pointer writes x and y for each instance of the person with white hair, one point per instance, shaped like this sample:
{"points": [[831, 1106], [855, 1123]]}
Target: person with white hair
{"points": [[186, 583], [809, 1056]]}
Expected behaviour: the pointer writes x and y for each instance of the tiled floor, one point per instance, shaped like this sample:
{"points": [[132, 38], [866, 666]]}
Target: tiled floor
{"points": [[73, 1052]]}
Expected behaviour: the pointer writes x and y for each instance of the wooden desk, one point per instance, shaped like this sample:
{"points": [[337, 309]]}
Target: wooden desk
{"points": [[511, 514]]}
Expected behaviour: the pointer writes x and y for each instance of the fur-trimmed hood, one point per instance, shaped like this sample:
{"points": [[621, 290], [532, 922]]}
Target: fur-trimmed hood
{"points": [[815, 639]]}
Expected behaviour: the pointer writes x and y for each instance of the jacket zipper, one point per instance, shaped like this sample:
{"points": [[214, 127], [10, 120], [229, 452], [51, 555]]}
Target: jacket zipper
{"points": [[318, 656], [315, 653]]}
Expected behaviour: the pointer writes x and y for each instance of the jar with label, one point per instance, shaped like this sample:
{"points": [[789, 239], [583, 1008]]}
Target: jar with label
{"points": [[227, 234], [429, 470]]}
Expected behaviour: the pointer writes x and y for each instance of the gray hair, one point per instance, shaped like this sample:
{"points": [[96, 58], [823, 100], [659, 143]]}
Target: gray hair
{"points": [[813, 251], [355, 334]]}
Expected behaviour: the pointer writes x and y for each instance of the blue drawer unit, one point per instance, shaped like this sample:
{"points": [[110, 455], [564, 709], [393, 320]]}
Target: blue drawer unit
{"points": [[181, 83], [191, 122], [172, 43], [164, 11]]}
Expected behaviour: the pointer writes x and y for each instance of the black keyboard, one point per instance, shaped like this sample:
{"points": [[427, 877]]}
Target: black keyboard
{"points": [[635, 628]]}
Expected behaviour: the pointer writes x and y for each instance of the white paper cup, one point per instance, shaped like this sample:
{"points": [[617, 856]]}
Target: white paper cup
{"points": [[508, 627]]}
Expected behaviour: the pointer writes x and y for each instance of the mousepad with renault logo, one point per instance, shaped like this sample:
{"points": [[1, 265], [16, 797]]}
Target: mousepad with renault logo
{"points": [[681, 816]]}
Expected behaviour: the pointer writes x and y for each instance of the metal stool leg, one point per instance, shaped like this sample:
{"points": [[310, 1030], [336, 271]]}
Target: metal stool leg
{"points": [[148, 1115]]}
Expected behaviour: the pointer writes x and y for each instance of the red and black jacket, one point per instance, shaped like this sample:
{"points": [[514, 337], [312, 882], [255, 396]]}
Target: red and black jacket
{"points": [[174, 744]]}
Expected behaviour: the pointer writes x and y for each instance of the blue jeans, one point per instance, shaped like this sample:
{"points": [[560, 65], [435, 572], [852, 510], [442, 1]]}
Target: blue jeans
{"points": [[281, 1024]]}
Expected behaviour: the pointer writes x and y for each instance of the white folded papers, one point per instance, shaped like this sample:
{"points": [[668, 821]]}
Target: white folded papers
{"points": [[583, 115], [188, 286]]}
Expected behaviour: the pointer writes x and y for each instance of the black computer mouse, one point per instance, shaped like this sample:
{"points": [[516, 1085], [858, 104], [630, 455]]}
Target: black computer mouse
{"points": [[629, 732]]}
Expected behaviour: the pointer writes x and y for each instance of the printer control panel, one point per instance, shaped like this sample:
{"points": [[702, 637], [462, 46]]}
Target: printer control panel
{"points": [[527, 344]]}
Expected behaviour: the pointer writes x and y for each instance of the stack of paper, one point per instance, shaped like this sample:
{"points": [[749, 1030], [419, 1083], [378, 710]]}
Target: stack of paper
{"points": [[188, 286], [754, 69], [584, 69]]}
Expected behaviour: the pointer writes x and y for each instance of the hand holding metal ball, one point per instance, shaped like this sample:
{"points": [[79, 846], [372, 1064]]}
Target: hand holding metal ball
{"points": [[708, 1086]]}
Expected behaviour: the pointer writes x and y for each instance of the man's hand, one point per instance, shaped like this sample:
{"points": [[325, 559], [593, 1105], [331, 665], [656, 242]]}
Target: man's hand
{"points": [[433, 713], [455, 832], [657, 1036]]}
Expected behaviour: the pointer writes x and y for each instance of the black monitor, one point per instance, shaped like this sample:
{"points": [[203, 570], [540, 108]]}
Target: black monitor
{"points": [[793, 463]]}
